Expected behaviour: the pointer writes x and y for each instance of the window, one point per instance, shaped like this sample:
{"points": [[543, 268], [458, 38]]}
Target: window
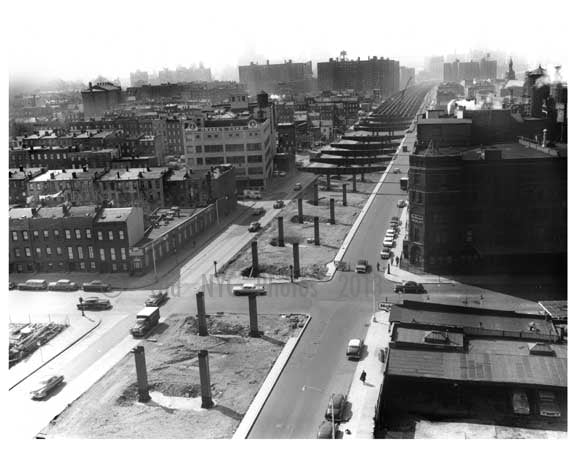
{"points": [[80, 252], [91, 252], [82, 266], [254, 146], [112, 254], [49, 251], [78, 234], [35, 235], [46, 235], [121, 234], [70, 252], [100, 236], [38, 252], [110, 235], [59, 251], [56, 234], [68, 234], [123, 254], [102, 255], [214, 148], [14, 235], [88, 233], [234, 147], [254, 159], [200, 161], [214, 160], [24, 235], [93, 266], [27, 251], [198, 149], [17, 252]]}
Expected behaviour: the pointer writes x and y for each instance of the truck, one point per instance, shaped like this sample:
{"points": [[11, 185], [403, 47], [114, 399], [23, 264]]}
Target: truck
{"points": [[146, 319], [404, 183], [252, 194]]}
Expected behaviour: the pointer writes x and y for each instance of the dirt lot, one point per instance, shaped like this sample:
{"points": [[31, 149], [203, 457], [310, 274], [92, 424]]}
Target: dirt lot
{"points": [[238, 366], [274, 261]]}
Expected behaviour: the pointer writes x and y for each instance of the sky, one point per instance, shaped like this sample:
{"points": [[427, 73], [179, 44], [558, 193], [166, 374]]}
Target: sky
{"points": [[76, 40]]}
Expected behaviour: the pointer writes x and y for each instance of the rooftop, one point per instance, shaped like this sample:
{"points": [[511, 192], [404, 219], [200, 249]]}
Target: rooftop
{"points": [[132, 174], [16, 174], [166, 220], [114, 214], [445, 121], [65, 175]]}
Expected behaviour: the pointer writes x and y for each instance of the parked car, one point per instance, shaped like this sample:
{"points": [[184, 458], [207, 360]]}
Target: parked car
{"points": [[520, 403], [386, 253], [547, 404], [94, 304], [409, 287], [46, 387], [325, 430], [254, 226], [96, 285], [282, 174], [297, 186], [63, 285], [156, 299], [402, 203], [278, 204], [11, 285], [362, 266], [258, 212], [248, 288], [388, 242], [354, 349], [336, 408], [397, 170], [33, 284]]}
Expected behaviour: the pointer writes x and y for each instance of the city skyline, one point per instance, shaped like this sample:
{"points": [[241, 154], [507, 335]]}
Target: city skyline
{"points": [[222, 47]]}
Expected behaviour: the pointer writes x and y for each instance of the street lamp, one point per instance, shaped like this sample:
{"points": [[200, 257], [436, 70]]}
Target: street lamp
{"points": [[332, 413]]}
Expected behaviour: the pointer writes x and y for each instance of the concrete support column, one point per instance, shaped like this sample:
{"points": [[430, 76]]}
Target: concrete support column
{"points": [[141, 374], [354, 183], [315, 197], [254, 257], [332, 213], [280, 231], [316, 230], [344, 197], [300, 211], [328, 182], [202, 326], [296, 256], [253, 312], [205, 389]]}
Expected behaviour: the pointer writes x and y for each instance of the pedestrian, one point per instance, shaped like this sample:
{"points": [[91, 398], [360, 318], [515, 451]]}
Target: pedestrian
{"points": [[388, 267], [363, 377], [397, 260], [378, 267]]}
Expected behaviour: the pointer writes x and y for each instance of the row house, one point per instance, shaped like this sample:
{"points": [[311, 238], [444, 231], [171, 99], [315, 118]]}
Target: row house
{"points": [[76, 185]]}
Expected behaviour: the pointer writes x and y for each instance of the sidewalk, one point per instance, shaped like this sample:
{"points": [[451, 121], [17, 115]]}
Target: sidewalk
{"points": [[77, 329], [363, 397]]}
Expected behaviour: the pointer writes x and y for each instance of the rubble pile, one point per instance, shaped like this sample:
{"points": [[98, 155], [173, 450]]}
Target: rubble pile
{"points": [[25, 338]]}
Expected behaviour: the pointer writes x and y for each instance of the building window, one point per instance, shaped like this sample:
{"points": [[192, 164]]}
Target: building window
{"points": [[113, 254], [214, 148], [35, 235], [82, 266], [88, 233], [254, 159], [80, 252], [46, 235], [24, 235], [38, 252], [198, 149], [93, 266], [78, 234], [70, 253], [56, 234], [17, 252], [100, 236], [102, 255], [114, 267], [14, 236], [200, 161], [67, 234], [110, 235], [123, 254], [121, 234], [59, 251], [91, 252], [49, 251]]}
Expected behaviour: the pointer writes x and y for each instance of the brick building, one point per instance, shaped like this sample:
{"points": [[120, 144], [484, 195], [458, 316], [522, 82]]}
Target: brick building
{"points": [[99, 98], [76, 186], [18, 183]]}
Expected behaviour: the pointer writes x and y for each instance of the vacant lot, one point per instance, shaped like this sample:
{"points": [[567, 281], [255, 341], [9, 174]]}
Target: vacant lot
{"points": [[238, 366], [274, 261]]}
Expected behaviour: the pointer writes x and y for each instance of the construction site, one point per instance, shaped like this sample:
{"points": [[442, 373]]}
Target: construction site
{"points": [[194, 386], [25, 338]]}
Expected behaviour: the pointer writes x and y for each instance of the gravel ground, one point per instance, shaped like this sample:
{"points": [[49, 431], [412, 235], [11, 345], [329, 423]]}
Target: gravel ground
{"points": [[238, 366], [274, 261]]}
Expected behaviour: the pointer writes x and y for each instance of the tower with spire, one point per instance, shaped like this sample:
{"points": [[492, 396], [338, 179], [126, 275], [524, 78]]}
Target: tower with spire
{"points": [[510, 75]]}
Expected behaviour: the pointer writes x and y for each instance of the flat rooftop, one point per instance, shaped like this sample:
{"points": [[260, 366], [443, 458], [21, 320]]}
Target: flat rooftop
{"points": [[132, 174], [166, 225]]}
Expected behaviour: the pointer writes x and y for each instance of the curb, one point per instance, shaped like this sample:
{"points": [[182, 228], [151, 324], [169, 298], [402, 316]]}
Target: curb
{"points": [[58, 354], [267, 386]]}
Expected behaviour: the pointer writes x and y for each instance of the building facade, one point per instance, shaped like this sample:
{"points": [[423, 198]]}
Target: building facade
{"points": [[273, 77], [100, 98]]}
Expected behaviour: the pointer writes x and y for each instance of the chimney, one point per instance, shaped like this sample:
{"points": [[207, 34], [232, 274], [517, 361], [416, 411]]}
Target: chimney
{"points": [[21, 168], [545, 138], [118, 174], [74, 175], [52, 176]]}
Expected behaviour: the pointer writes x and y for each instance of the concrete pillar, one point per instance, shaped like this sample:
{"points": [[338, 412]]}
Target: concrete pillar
{"points": [[315, 197], [253, 312], [254, 258], [316, 230], [344, 197], [280, 231], [354, 183], [141, 374], [202, 326], [332, 214], [300, 212], [296, 256], [205, 389], [328, 182]]}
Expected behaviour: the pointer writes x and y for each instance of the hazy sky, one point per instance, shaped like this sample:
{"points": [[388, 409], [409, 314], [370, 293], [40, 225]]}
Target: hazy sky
{"points": [[80, 40]]}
